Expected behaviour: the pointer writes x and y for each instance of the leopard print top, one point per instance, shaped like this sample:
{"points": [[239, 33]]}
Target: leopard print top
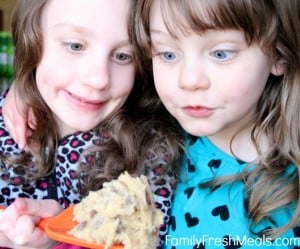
{"points": [[63, 184]]}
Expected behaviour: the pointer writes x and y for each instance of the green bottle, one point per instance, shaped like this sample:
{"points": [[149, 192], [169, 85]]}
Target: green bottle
{"points": [[10, 57], [3, 54]]}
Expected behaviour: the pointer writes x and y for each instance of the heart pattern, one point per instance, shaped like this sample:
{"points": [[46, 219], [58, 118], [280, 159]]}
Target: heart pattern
{"points": [[199, 246], [191, 221], [296, 231], [189, 192], [214, 163], [221, 211], [215, 211], [230, 243], [191, 167]]}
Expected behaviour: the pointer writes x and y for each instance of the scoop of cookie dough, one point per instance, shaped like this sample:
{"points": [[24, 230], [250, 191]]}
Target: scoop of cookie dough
{"points": [[122, 211]]}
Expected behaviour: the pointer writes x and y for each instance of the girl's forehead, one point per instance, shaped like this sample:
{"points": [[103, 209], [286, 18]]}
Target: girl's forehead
{"points": [[97, 15], [255, 18], [180, 17]]}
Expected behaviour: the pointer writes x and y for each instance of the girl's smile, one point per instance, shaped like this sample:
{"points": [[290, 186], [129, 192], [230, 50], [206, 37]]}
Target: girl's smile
{"points": [[83, 103]]}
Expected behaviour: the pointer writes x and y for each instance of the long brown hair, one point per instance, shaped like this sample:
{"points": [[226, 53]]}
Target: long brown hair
{"points": [[28, 41], [274, 25], [132, 131]]}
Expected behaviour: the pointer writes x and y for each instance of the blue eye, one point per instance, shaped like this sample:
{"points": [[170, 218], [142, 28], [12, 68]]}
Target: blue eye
{"points": [[123, 57], [76, 47], [168, 56], [73, 47], [221, 54]]}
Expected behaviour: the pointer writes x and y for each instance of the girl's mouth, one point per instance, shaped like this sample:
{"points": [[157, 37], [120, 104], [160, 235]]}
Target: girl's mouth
{"points": [[198, 111], [84, 103]]}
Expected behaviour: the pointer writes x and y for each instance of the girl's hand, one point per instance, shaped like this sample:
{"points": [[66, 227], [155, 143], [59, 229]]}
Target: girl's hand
{"points": [[18, 118], [18, 223]]}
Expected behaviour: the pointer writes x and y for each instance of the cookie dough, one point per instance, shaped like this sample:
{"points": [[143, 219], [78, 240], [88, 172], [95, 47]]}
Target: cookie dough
{"points": [[122, 212]]}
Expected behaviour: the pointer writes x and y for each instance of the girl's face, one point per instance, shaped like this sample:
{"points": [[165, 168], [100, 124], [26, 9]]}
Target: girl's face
{"points": [[211, 82], [87, 69]]}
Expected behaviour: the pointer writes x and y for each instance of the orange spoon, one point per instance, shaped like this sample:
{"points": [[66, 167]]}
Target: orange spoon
{"points": [[57, 228]]}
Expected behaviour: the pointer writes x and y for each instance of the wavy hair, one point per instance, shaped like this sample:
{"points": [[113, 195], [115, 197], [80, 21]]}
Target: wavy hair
{"points": [[137, 128], [274, 25]]}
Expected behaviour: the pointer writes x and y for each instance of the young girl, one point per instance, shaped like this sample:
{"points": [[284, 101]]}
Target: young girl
{"points": [[228, 71], [75, 69]]}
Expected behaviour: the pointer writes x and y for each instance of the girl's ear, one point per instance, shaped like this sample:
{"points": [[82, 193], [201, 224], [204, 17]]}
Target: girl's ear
{"points": [[279, 67]]}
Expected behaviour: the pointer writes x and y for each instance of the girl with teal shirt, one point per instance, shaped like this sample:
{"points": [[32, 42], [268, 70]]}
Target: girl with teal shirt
{"points": [[218, 217], [228, 71]]}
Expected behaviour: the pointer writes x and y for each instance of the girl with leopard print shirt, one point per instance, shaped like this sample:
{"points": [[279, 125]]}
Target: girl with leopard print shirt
{"points": [[229, 72], [95, 115]]}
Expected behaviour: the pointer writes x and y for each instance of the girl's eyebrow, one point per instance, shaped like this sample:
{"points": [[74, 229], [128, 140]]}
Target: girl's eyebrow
{"points": [[83, 30], [71, 26]]}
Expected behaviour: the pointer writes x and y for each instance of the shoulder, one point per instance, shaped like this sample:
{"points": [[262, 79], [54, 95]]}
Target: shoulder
{"points": [[7, 144]]}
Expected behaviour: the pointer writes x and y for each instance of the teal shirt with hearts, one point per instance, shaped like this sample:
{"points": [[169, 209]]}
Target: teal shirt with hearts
{"points": [[202, 219]]}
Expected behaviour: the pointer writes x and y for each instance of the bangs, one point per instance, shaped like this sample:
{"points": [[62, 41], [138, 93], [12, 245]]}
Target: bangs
{"points": [[254, 18]]}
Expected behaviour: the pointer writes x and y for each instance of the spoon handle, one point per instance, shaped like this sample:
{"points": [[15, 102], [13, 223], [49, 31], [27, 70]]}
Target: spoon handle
{"points": [[43, 223]]}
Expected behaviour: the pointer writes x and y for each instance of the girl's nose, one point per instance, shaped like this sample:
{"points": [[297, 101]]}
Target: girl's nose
{"points": [[193, 76], [97, 74]]}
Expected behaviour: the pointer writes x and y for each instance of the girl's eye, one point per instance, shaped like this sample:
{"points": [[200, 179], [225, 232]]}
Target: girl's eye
{"points": [[168, 56], [123, 57], [222, 54], [74, 46]]}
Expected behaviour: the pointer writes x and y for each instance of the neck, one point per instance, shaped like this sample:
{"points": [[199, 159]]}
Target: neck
{"points": [[238, 144]]}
